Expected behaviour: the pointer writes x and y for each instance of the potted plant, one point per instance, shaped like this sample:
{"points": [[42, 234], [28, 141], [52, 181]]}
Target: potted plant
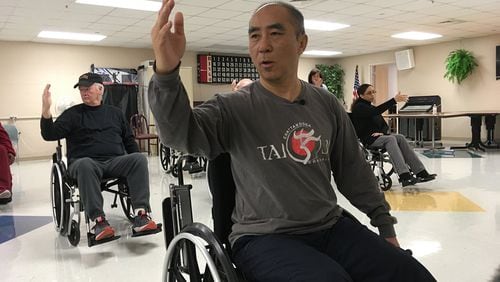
{"points": [[459, 65], [333, 77]]}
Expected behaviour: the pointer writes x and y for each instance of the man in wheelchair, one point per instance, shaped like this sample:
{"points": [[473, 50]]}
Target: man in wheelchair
{"points": [[373, 133], [285, 138], [100, 145]]}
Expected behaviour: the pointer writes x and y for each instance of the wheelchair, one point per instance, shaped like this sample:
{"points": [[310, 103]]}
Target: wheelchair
{"points": [[186, 237], [66, 204], [380, 163], [169, 158], [188, 242]]}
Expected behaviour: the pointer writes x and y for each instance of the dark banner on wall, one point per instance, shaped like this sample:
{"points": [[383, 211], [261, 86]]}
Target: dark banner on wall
{"points": [[225, 69], [116, 75], [120, 88]]}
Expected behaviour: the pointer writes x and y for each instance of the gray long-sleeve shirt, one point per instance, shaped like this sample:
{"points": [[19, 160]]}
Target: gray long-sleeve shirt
{"points": [[282, 154]]}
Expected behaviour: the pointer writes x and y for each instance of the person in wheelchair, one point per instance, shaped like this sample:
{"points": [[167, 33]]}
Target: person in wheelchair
{"points": [[235, 86], [7, 157], [285, 138], [100, 145], [373, 132]]}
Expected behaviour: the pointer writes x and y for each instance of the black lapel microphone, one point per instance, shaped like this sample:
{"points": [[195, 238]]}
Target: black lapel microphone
{"points": [[300, 102]]}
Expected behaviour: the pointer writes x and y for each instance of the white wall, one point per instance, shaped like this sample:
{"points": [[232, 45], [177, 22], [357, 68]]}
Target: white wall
{"points": [[480, 91], [27, 67]]}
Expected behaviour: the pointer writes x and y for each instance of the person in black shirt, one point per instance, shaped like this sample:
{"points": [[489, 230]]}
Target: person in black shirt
{"points": [[100, 144], [373, 132]]}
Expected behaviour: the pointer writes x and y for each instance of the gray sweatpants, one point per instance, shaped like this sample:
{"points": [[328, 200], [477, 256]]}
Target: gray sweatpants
{"points": [[89, 172], [400, 153]]}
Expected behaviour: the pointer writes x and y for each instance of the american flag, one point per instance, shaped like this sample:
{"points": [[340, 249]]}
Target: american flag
{"points": [[356, 84]]}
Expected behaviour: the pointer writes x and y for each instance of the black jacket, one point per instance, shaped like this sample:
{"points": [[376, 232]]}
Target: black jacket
{"points": [[367, 119], [96, 132]]}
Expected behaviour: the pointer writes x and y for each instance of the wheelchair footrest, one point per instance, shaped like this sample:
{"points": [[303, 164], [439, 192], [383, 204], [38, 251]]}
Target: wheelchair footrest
{"points": [[147, 232], [92, 241]]}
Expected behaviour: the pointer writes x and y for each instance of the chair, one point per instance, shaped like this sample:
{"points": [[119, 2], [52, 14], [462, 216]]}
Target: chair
{"points": [[380, 163], [187, 241], [186, 237], [66, 204], [140, 129]]}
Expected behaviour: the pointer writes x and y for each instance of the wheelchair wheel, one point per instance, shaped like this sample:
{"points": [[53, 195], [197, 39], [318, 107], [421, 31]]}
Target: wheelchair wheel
{"points": [[59, 194], [74, 234], [391, 171], [164, 157], [386, 182], [182, 258], [126, 202]]}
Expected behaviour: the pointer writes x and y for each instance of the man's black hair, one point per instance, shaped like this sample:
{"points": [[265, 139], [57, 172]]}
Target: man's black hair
{"points": [[297, 17]]}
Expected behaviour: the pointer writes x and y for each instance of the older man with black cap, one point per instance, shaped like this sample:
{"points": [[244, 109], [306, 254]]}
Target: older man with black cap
{"points": [[99, 144]]}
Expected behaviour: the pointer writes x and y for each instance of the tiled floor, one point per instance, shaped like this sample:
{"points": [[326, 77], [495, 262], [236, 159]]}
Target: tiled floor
{"points": [[452, 225]]}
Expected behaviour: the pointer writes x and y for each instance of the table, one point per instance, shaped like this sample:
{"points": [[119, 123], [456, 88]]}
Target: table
{"points": [[476, 119], [418, 116]]}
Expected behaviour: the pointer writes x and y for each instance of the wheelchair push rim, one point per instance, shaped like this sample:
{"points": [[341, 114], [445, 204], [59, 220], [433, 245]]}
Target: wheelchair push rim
{"points": [[59, 194], [164, 157], [182, 259], [126, 202]]}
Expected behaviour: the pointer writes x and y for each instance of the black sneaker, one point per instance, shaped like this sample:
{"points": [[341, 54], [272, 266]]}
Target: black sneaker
{"points": [[428, 177], [424, 176], [409, 181], [195, 168]]}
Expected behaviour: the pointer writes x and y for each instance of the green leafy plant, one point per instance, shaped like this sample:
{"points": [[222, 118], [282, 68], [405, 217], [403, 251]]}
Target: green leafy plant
{"points": [[459, 65], [333, 77]]}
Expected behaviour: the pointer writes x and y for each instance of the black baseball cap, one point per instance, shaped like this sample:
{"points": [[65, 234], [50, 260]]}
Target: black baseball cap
{"points": [[87, 79]]}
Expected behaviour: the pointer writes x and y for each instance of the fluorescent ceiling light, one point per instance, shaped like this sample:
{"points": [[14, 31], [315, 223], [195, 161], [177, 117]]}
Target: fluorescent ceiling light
{"points": [[142, 5], [416, 35], [71, 36], [320, 25], [321, 53]]}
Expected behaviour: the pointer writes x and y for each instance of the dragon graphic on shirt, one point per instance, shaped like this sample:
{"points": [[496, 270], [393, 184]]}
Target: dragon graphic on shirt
{"points": [[300, 144]]}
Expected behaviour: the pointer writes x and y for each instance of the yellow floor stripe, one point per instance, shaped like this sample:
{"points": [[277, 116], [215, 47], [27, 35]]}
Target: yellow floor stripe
{"points": [[430, 201]]}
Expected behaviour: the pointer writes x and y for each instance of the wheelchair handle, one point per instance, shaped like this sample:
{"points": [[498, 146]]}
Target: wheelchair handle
{"points": [[179, 168]]}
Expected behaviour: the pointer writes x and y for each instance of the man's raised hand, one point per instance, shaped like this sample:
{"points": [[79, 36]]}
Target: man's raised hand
{"points": [[168, 45], [46, 101]]}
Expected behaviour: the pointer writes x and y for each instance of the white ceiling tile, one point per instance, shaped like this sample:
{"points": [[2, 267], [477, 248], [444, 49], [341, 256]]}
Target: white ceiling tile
{"points": [[127, 13], [209, 22], [240, 6], [189, 10], [201, 21], [105, 27], [114, 20], [205, 3]]}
